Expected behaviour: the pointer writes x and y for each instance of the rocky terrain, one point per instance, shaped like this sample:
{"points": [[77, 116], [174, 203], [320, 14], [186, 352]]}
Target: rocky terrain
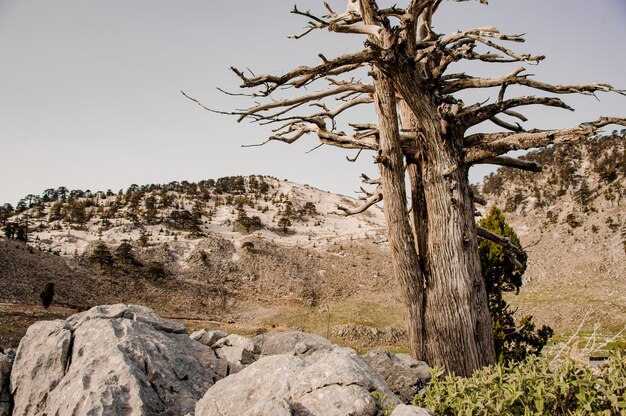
{"points": [[126, 360], [251, 254]]}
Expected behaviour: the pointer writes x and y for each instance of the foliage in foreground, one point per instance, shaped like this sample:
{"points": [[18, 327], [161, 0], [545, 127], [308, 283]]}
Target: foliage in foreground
{"points": [[536, 386]]}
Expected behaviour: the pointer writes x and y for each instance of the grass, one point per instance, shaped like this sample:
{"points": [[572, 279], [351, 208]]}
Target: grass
{"points": [[13, 325], [322, 320]]}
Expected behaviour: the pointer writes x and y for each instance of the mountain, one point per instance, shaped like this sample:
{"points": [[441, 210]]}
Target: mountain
{"points": [[256, 252], [571, 218]]}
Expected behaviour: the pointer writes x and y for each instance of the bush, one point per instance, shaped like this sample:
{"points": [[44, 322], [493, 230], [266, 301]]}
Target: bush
{"points": [[47, 294], [532, 387]]}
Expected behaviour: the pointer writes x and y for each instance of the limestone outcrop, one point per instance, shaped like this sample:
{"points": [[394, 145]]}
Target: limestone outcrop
{"points": [[404, 375], [110, 360], [335, 381], [126, 360]]}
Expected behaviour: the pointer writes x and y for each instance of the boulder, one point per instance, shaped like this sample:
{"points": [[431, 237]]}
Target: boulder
{"points": [[328, 382], [291, 342], [208, 338], [5, 392], [236, 351], [404, 375], [406, 410], [234, 340], [111, 360]]}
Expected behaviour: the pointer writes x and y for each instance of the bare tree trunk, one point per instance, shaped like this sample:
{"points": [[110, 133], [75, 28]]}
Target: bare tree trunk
{"points": [[457, 326], [403, 254]]}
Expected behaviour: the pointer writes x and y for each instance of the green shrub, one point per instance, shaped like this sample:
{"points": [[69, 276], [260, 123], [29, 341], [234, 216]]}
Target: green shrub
{"points": [[532, 387]]}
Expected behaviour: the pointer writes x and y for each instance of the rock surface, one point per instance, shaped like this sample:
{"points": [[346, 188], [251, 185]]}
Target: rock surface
{"points": [[111, 360], [335, 381], [290, 342], [125, 360], [5, 393], [404, 375], [208, 338], [406, 410]]}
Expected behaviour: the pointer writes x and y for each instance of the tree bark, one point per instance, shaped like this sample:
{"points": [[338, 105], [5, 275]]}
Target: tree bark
{"points": [[403, 254], [456, 316]]}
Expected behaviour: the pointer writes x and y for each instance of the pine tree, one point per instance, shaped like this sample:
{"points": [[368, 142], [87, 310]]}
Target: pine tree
{"points": [[101, 256], [513, 342]]}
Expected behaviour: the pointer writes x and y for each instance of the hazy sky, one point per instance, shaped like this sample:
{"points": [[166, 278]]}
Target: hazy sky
{"points": [[90, 90]]}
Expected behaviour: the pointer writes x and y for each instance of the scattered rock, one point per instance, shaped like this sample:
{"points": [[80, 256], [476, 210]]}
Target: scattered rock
{"points": [[335, 381], [291, 342], [208, 338], [5, 392], [110, 360], [234, 340], [404, 375], [237, 358]]}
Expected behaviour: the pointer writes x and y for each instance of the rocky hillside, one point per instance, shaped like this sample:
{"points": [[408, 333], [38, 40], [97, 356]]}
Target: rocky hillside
{"points": [[571, 218], [237, 249]]}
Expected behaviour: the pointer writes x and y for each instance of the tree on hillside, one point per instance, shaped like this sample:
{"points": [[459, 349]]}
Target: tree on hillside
{"points": [[101, 256], [421, 135], [47, 295], [503, 272], [6, 211]]}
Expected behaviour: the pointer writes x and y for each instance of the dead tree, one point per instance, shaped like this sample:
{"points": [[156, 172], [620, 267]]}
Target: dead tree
{"points": [[421, 132]]}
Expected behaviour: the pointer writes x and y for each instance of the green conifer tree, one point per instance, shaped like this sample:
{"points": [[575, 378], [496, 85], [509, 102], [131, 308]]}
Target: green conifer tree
{"points": [[513, 341]]}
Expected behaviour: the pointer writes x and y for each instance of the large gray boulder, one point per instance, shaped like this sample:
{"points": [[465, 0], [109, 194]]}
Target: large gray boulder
{"points": [[291, 342], [111, 360], [404, 375], [326, 382], [5, 392]]}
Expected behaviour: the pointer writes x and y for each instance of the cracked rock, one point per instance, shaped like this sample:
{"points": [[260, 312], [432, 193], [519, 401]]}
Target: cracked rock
{"points": [[208, 338], [405, 375], [291, 342], [333, 381], [110, 360]]}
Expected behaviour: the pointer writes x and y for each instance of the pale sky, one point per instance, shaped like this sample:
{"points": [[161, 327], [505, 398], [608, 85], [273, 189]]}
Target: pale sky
{"points": [[90, 90]]}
